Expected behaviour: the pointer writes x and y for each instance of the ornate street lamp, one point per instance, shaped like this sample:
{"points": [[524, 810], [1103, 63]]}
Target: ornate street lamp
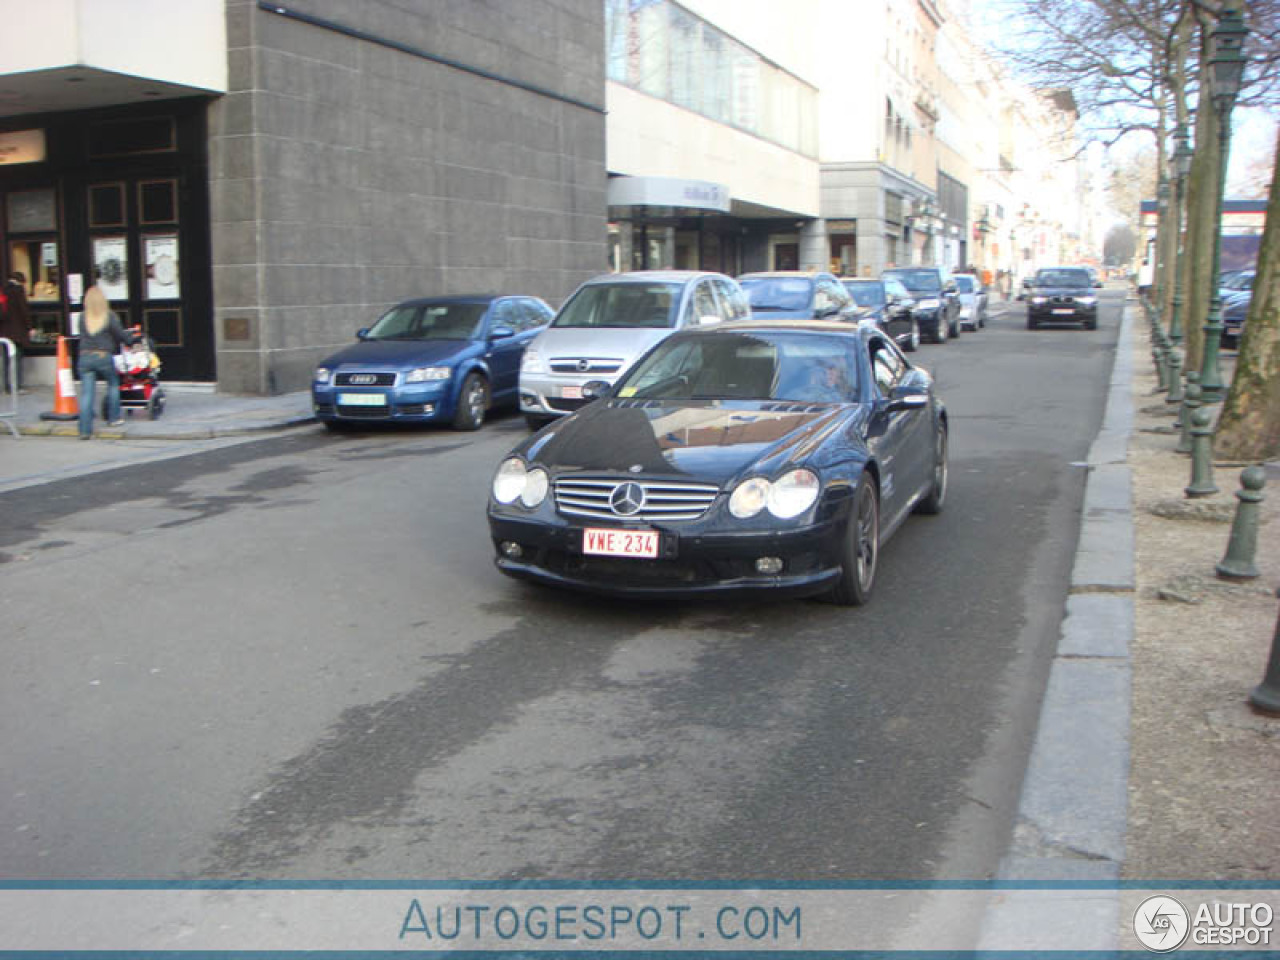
{"points": [[1226, 62], [1162, 228], [1181, 170]]}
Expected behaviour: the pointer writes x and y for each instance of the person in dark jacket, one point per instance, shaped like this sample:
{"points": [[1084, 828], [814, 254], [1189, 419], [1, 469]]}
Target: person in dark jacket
{"points": [[13, 326], [100, 341]]}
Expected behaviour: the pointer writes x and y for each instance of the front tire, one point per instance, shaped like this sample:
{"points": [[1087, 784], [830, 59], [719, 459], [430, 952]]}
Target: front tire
{"points": [[473, 401], [940, 329], [912, 343], [932, 504], [860, 551]]}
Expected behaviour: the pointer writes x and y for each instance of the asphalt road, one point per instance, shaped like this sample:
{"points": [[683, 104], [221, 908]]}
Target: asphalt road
{"points": [[293, 658]]}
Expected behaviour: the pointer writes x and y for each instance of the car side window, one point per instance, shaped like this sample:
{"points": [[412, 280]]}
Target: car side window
{"points": [[503, 314], [733, 299], [823, 301], [887, 368], [539, 313], [704, 302]]}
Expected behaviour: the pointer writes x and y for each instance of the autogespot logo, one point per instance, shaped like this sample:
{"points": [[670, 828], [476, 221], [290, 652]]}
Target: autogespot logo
{"points": [[1161, 924]]}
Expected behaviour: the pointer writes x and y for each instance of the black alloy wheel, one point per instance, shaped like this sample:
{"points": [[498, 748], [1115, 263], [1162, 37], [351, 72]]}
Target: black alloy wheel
{"points": [[937, 496], [940, 329], [860, 551]]}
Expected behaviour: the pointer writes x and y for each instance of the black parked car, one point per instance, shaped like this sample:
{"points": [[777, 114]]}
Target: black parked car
{"points": [[937, 308], [763, 456], [889, 304], [1060, 294]]}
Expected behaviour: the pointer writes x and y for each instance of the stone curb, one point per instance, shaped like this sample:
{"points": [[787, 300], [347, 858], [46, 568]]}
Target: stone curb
{"points": [[53, 429], [1073, 813]]}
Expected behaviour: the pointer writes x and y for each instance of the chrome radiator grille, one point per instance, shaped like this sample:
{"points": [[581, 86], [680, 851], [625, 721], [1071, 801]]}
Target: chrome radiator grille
{"points": [[662, 500]]}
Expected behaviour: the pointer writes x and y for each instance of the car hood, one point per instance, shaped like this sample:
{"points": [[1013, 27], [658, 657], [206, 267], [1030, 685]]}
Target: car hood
{"points": [[712, 441], [399, 354], [621, 343]]}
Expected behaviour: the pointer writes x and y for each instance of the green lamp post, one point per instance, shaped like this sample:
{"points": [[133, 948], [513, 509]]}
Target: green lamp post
{"points": [[1181, 170], [1227, 63]]}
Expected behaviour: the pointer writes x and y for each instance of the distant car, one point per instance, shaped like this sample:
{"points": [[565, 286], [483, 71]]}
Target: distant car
{"points": [[436, 359], [1236, 281], [1062, 294], [1235, 308], [764, 456], [889, 304], [794, 295], [937, 308], [973, 301], [607, 323]]}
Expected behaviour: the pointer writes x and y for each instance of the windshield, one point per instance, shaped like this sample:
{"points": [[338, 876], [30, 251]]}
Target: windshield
{"points": [[964, 284], [803, 368], [917, 281], [1063, 278], [778, 293], [866, 294], [621, 305], [434, 321]]}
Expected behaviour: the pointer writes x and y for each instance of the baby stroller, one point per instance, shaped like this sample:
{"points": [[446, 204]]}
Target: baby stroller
{"points": [[140, 389]]}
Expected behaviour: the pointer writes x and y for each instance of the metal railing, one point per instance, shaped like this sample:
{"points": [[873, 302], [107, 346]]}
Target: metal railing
{"points": [[10, 413]]}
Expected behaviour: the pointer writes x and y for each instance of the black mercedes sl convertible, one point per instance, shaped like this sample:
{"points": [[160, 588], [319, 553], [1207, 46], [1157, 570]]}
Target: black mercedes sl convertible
{"points": [[752, 456]]}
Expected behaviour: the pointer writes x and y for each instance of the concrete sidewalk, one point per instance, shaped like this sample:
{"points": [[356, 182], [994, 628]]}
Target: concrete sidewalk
{"points": [[192, 412]]}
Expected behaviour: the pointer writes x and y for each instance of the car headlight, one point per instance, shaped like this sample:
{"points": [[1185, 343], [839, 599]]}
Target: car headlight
{"points": [[535, 487], [510, 480], [789, 496], [1086, 301], [749, 498], [515, 481], [428, 374], [1039, 299], [931, 303], [793, 493], [531, 361], [323, 375]]}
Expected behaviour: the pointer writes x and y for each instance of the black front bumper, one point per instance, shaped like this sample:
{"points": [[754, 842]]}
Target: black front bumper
{"points": [[689, 564]]}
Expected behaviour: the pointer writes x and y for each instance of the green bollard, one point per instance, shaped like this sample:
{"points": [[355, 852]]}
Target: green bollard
{"points": [[1190, 404], [1238, 564], [1266, 695], [1175, 378], [1201, 456], [1162, 369]]}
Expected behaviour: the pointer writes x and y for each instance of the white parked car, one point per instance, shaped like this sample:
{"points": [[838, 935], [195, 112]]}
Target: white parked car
{"points": [[607, 324], [973, 301]]}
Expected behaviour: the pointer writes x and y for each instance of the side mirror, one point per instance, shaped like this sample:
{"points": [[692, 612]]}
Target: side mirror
{"points": [[362, 333], [501, 333], [595, 389], [907, 398]]}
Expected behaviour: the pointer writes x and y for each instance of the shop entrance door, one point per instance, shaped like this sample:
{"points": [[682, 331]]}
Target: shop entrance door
{"points": [[138, 257]]}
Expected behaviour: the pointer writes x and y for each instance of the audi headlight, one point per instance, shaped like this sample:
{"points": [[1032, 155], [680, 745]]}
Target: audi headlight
{"points": [[510, 480], [428, 374], [749, 498], [535, 487], [793, 493], [531, 361], [323, 374], [930, 303]]}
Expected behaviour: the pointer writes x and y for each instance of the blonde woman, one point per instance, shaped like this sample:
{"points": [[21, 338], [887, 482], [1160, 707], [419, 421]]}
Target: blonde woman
{"points": [[100, 340]]}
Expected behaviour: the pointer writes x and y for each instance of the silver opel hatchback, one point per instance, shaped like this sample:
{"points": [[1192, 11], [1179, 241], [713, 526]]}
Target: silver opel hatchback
{"points": [[608, 323]]}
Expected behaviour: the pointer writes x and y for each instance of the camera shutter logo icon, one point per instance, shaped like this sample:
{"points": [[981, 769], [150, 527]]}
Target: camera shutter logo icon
{"points": [[1161, 924]]}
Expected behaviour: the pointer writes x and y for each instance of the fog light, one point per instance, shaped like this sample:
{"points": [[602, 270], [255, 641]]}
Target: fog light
{"points": [[769, 565], [512, 550]]}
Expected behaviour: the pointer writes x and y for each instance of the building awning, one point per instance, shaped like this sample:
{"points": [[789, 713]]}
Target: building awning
{"points": [[668, 192]]}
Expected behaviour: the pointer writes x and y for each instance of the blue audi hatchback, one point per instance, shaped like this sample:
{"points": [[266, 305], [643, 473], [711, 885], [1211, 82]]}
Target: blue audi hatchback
{"points": [[440, 359]]}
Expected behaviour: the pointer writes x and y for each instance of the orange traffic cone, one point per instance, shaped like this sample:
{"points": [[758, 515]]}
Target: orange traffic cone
{"points": [[64, 388]]}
